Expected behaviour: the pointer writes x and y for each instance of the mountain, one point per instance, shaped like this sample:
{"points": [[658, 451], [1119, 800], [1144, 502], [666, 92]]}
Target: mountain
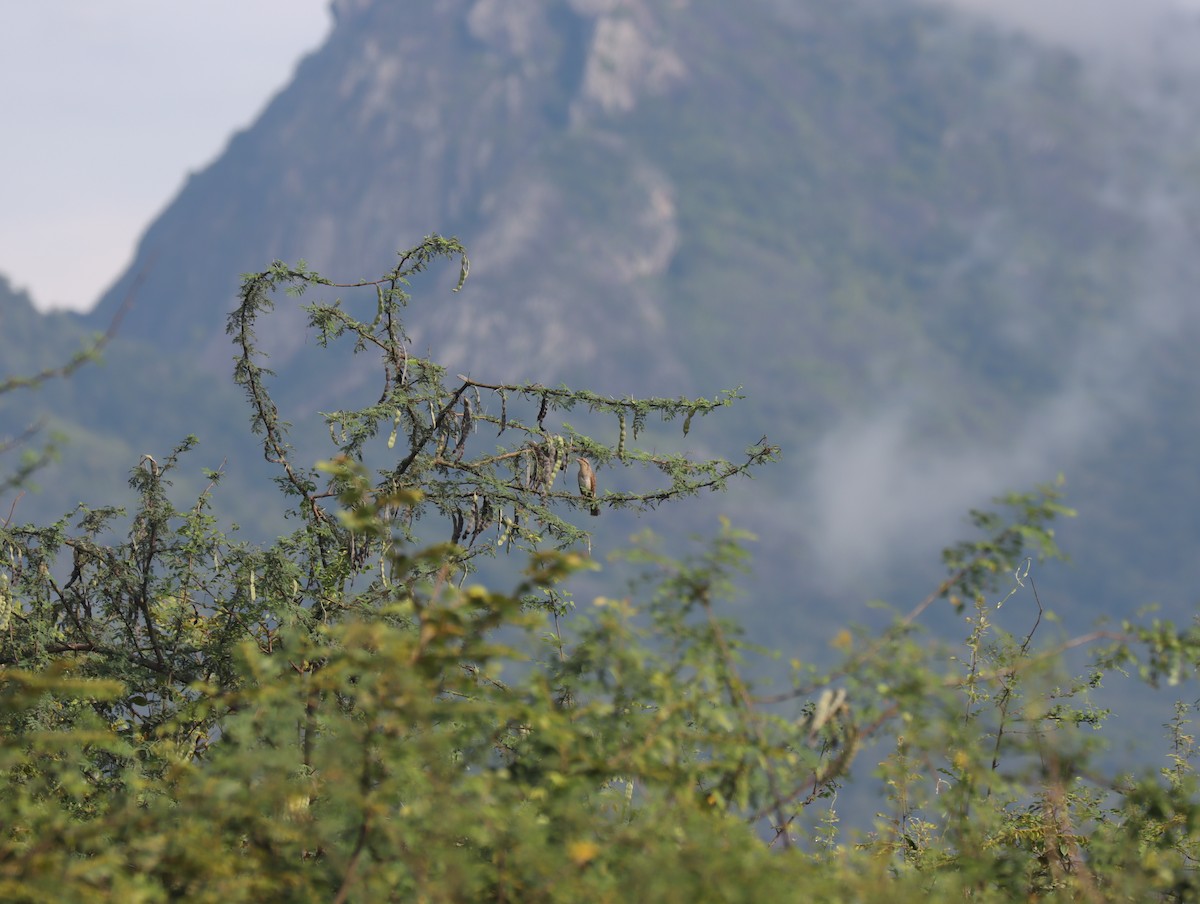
{"points": [[453, 118], [943, 261]]}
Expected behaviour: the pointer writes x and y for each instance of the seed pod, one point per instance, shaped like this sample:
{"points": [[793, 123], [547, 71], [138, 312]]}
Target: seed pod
{"points": [[503, 412], [379, 307], [395, 427], [820, 712], [6, 603], [464, 430], [462, 272], [555, 456], [483, 516], [542, 409], [621, 436], [829, 704]]}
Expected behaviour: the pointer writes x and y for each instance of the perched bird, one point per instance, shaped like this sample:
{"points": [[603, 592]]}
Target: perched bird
{"points": [[587, 483]]}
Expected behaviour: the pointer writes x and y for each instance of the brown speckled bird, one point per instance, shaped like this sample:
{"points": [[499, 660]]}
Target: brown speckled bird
{"points": [[587, 483]]}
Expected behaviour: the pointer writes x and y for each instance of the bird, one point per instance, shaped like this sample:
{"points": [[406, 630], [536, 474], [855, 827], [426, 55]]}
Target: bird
{"points": [[587, 484]]}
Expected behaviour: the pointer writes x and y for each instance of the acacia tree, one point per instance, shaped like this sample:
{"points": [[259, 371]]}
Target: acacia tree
{"points": [[165, 609], [488, 457]]}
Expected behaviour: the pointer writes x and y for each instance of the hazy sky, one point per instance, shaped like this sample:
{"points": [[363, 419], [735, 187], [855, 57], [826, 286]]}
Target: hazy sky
{"points": [[108, 104]]}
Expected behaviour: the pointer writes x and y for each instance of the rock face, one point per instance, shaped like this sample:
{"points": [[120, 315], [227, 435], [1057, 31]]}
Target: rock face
{"points": [[443, 117], [615, 166]]}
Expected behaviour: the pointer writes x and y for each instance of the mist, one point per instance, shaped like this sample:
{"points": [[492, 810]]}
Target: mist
{"points": [[883, 492], [1126, 31]]}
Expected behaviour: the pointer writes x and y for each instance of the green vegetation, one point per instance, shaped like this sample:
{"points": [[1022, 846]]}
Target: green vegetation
{"points": [[343, 715]]}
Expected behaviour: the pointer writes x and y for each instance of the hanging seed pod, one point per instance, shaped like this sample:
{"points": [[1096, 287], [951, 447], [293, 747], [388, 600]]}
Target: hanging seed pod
{"points": [[379, 307], [474, 516], [457, 520], [829, 704], [544, 467], [687, 421], [415, 426], [504, 526], [468, 423], [621, 436], [395, 426], [503, 412], [542, 410], [475, 528], [464, 430], [462, 272], [6, 603], [555, 461], [483, 517]]}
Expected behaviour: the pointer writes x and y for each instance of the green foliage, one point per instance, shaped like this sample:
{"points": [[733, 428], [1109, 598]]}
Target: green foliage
{"points": [[342, 716]]}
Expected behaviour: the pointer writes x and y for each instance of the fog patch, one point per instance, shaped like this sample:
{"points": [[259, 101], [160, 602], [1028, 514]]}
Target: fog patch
{"points": [[882, 490], [1126, 30]]}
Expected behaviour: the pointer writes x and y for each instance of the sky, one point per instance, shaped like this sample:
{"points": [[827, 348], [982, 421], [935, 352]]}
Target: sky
{"points": [[107, 105]]}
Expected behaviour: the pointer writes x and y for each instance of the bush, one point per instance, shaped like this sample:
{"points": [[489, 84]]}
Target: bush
{"points": [[342, 715]]}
